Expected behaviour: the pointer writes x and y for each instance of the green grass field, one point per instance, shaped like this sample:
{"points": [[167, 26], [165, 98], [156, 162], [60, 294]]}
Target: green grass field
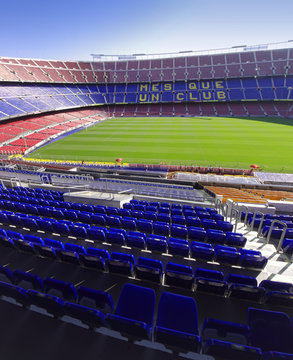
{"points": [[226, 142]]}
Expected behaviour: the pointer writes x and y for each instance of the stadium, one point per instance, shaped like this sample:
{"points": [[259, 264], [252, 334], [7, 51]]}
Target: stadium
{"points": [[146, 205]]}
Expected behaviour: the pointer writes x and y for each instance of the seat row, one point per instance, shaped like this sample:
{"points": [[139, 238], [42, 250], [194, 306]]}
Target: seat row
{"points": [[177, 275], [176, 325], [156, 243]]}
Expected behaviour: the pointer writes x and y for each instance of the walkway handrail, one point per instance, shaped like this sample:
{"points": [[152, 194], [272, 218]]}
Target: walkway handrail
{"points": [[225, 210], [282, 236], [253, 219]]}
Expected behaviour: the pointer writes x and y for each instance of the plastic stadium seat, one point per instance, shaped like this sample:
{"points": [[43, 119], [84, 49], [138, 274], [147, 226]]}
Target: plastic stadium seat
{"points": [[145, 226], [124, 212], [177, 323], [276, 355], [6, 275], [178, 247], [60, 228], [114, 221], [227, 255], [134, 313], [45, 225], [91, 317], [95, 299], [14, 235], [116, 236], [279, 298], [209, 274], [28, 280], [157, 243], [201, 251], [215, 236], [241, 279], [99, 219], [71, 215], [96, 234], [213, 286], [179, 275], [98, 252], [17, 293], [148, 215], [79, 232], [165, 218], [179, 231], [224, 225], [62, 289], [149, 269], [136, 240], [137, 214], [225, 330], [93, 262], [34, 239], [235, 239], [203, 214], [196, 233], [270, 330], [270, 285], [120, 263], [161, 228], [230, 351], [129, 223], [252, 259], [193, 221], [52, 304], [84, 217], [79, 249]]}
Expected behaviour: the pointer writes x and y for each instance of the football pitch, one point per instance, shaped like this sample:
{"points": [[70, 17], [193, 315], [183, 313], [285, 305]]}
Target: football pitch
{"points": [[199, 141]]}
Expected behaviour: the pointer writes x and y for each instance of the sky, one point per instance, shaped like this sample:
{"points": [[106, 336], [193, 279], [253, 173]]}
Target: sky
{"points": [[74, 29]]}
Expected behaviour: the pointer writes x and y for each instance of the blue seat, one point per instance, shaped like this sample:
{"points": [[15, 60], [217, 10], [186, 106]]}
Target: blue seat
{"points": [[28, 280], [276, 355], [279, 298], [98, 252], [177, 323], [230, 351], [201, 251], [178, 219], [116, 236], [235, 239], [224, 225], [246, 292], [145, 226], [149, 269], [93, 318], [120, 263], [193, 221], [139, 207], [99, 209], [209, 274], [137, 214], [124, 212], [97, 234], [165, 218], [196, 233], [179, 275], [79, 249], [17, 293], [252, 259], [225, 331], [85, 217], [270, 330], [6, 275], [62, 289], [136, 239], [34, 239], [134, 313], [68, 256], [52, 304], [203, 214], [114, 221], [93, 261], [99, 220], [178, 247], [54, 243], [157, 243], [129, 223], [149, 215], [60, 228], [161, 228], [79, 232], [112, 210], [208, 224], [241, 279], [71, 215], [227, 255], [271, 285], [215, 236], [45, 225], [179, 231], [95, 299]]}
